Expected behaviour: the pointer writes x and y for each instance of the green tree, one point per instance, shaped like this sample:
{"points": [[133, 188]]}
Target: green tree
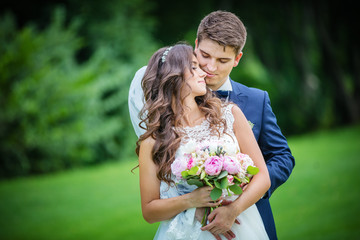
{"points": [[56, 112]]}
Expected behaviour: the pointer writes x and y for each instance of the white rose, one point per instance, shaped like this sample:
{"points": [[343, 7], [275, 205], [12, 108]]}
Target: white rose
{"points": [[230, 149], [189, 147], [213, 146]]}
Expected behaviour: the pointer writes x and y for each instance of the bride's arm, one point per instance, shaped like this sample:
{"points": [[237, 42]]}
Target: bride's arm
{"points": [[260, 183], [155, 209], [223, 218]]}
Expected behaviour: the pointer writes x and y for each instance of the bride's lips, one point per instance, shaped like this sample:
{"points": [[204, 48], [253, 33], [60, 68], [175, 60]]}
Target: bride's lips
{"points": [[202, 81]]}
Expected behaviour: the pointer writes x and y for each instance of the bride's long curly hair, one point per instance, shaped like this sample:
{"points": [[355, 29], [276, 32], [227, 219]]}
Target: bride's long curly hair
{"points": [[163, 111]]}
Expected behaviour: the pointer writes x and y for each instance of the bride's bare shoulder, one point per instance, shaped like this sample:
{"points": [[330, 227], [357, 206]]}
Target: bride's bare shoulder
{"points": [[239, 117], [236, 110], [148, 142]]}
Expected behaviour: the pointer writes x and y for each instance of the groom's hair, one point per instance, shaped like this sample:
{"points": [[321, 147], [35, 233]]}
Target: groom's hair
{"points": [[224, 28]]}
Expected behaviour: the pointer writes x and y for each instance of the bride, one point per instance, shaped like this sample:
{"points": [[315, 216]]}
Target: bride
{"points": [[180, 108]]}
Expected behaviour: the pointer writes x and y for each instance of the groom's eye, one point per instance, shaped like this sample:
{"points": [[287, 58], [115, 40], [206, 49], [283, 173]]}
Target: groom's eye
{"points": [[223, 60]]}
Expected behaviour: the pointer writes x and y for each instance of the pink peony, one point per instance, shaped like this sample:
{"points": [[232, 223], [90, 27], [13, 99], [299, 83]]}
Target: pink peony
{"points": [[178, 166], [230, 179], [190, 163], [213, 165], [231, 165]]}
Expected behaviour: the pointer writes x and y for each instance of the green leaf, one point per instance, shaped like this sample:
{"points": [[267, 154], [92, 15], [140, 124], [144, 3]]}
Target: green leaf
{"points": [[236, 189], [252, 170], [222, 174], [207, 182], [237, 180], [202, 175], [211, 177], [184, 174], [215, 194], [194, 170], [195, 182], [219, 150], [224, 183], [229, 192], [217, 184]]}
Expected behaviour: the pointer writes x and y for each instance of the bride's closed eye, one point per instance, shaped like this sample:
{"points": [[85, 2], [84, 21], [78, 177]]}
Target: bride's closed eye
{"points": [[194, 65]]}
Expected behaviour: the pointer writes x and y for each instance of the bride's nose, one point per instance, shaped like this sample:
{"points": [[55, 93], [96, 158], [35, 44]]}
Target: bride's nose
{"points": [[201, 73]]}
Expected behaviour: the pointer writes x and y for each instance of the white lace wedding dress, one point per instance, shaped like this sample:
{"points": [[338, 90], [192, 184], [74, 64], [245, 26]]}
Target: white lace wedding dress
{"points": [[184, 225]]}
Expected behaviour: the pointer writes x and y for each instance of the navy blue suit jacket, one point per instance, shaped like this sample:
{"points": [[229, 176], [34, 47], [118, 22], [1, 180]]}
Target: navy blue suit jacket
{"points": [[255, 105]]}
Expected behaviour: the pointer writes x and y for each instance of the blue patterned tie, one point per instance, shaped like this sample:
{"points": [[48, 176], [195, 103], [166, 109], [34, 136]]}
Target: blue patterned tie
{"points": [[222, 94]]}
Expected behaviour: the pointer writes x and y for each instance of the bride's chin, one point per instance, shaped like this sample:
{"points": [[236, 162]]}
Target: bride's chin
{"points": [[200, 94]]}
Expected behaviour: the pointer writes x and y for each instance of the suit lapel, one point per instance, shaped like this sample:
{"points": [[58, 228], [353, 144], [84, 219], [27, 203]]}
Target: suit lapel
{"points": [[238, 96]]}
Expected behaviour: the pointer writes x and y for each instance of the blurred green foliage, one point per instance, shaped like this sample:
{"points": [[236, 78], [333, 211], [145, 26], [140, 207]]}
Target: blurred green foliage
{"points": [[65, 71], [59, 109], [304, 53]]}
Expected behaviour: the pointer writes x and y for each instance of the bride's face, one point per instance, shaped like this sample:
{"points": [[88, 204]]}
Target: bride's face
{"points": [[196, 81]]}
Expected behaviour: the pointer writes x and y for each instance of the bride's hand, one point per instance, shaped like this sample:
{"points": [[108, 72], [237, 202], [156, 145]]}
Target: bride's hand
{"points": [[200, 197]]}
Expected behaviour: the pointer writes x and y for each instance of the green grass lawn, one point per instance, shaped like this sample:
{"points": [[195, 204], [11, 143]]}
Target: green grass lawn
{"points": [[319, 201], [321, 198]]}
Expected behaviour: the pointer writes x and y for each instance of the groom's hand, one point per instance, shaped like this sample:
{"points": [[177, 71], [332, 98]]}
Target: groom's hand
{"points": [[227, 202], [229, 235], [221, 220]]}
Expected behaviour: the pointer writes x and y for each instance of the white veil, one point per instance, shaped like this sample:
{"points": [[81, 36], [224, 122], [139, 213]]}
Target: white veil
{"points": [[136, 100]]}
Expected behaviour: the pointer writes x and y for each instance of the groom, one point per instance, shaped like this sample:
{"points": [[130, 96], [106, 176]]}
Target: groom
{"points": [[220, 39]]}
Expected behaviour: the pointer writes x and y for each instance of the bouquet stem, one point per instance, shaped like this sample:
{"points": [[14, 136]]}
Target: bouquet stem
{"points": [[204, 219]]}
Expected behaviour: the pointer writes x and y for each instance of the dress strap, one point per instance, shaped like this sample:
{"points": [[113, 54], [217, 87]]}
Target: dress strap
{"points": [[228, 115]]}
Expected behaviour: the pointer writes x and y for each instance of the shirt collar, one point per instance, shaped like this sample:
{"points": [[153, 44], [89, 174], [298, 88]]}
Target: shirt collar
{"points": [[226, 86]]}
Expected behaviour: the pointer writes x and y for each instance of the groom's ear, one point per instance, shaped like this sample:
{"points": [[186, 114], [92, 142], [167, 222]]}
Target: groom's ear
{"points": [[237, 59], [196, 43]]}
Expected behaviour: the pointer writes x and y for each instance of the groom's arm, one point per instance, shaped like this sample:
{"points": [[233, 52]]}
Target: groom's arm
{"points": [[275, 149]]}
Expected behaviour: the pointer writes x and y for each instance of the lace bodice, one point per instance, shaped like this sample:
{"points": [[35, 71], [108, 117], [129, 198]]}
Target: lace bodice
{"points": [[202, 133], [184, 225]]}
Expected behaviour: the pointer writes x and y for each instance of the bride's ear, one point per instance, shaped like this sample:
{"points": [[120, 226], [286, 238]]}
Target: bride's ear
{"points": [[196, 43]]}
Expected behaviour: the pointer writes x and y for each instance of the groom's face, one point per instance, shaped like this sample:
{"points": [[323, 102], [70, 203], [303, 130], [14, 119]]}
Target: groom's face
{"points": [[216, 61]]}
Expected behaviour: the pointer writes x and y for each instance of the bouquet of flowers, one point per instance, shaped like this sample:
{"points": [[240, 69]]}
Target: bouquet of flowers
{"points": [[213, 164]]}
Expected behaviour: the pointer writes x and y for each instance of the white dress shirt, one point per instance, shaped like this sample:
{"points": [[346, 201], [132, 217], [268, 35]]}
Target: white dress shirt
{"points": [[226, 86]]}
